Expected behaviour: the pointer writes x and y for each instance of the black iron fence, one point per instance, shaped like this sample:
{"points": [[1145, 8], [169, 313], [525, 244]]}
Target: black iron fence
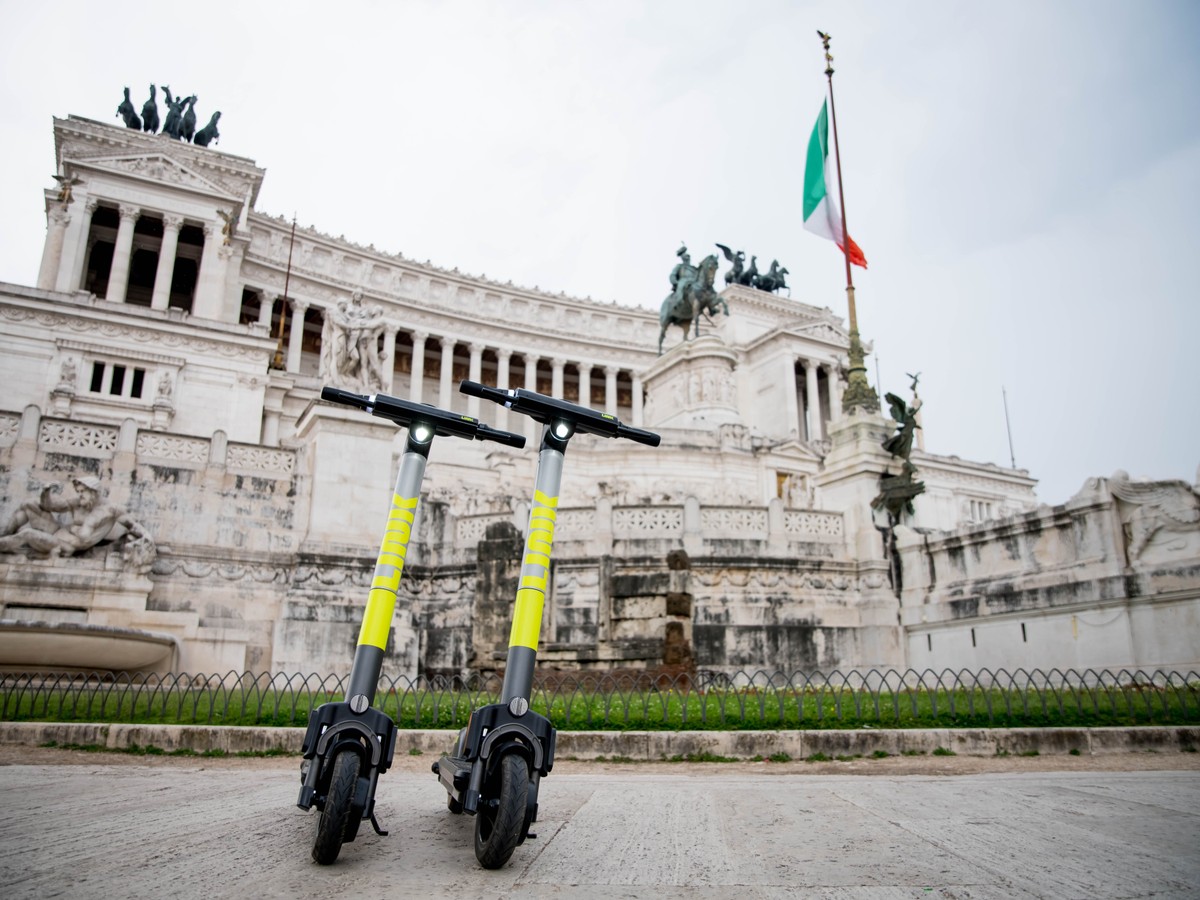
{"points": [[889, 698]]}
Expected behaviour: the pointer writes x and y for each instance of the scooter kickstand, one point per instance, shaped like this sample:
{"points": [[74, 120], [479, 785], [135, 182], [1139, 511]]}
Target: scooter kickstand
{"points": [[375, 824]]}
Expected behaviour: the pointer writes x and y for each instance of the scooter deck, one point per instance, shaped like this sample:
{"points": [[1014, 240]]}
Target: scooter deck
{"points": [[454, 773]]}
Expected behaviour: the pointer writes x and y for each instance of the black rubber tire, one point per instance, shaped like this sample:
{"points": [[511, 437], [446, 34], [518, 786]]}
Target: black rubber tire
{"points": [[501, 814], [331, 827]]}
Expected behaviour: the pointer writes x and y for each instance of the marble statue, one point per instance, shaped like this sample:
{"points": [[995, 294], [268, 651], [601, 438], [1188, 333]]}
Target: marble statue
{"points": [[350, 356], [56, 526], [1149, 507]]}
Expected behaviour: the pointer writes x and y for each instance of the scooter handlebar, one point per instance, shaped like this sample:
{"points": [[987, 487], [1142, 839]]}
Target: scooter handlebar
{"points": [[548, 409], [408, 414], [507, 438], [337, 395], [475, 389], [649, 438]]}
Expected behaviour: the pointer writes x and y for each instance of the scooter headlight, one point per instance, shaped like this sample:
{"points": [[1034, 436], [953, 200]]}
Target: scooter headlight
{"points": [[562, 429], [421, 433]]}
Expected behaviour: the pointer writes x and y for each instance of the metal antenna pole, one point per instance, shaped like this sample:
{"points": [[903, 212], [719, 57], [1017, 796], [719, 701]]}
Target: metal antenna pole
{"points": [[277, 362], [1008, 426]]}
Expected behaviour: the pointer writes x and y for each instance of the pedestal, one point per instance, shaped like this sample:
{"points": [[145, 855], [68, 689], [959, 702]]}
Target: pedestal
{"points": [[350, 461], [849, 480], [692, 385]]}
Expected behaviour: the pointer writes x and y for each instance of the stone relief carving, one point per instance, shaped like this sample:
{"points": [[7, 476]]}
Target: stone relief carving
{"points": [[813, 524], [741, 522], [10, 427], [88, 439], [172, 448], [648, 521], [67, 375], [260, 459], [234, 572], [1148, 507], [93, 329], [350, 355], [55, 526]]}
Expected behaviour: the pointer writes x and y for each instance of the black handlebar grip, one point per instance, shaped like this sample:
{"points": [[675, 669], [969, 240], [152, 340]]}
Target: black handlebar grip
{"points": [[337, 395], [475, 389], [500, 437], [637, 434]]}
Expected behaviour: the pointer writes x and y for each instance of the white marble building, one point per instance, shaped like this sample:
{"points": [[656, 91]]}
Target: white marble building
{"points": [[159, 353]]}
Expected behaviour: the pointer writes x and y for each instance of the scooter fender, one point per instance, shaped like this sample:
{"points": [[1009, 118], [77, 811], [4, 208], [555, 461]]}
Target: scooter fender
{"points": [[510, 737], [331, 725]]}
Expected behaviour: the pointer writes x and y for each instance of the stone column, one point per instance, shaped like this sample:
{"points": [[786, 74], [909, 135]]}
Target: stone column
{"points": [[57, 218], [418, 366], [610, 390], [118, 276], [389, 353], [638, 411], [266, 308], [447, 374], [556, 377], [475, 373], [299, 308], [502, 361], [75, 249], [532, 429], [791, 398], [835, 392], [210, 283], [585, 384], [812, 401], [166, 262]]}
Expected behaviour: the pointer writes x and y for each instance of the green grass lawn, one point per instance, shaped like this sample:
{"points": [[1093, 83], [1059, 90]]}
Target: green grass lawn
{"points": [[581, 709]]}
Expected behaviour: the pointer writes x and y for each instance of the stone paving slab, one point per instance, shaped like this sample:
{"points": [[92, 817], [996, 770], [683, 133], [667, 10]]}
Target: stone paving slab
{"points": [[231, 830]]}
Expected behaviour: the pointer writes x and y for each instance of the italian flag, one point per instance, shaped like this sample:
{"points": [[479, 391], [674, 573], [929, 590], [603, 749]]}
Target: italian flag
{"points": [[821, 213]]}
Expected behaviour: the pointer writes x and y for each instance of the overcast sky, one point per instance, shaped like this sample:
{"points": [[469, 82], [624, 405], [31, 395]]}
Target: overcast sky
{"points": [[1024, 177]]}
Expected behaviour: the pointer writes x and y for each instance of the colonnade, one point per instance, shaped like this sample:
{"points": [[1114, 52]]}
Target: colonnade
{"points": [[70, 241], [446, 394], [814, 420]]}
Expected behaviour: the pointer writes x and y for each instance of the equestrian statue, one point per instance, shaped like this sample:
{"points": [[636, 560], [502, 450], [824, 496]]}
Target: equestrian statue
{"points": [[692, 294]]}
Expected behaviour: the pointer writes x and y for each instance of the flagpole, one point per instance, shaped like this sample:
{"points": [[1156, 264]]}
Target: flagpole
{"points": [[859, 393]]}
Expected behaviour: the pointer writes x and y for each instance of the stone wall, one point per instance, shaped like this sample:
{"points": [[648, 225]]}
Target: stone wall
{"points": [[240, 583], [1065, 587]]}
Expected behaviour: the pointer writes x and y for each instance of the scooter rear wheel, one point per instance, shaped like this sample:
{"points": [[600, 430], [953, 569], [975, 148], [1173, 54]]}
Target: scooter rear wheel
{"points": [[501, 815], [331, 828]]}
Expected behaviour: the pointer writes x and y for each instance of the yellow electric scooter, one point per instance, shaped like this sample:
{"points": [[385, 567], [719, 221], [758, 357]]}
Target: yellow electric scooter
{"points": [[495, 769], [349, 743]]}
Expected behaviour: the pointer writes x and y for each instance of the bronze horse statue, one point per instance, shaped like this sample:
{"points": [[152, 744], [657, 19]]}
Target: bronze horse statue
{"points": [[693, 295]]}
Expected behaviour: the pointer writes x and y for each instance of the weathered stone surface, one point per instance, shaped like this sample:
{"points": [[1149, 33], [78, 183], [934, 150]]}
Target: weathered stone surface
{"points": [[746, 537]]}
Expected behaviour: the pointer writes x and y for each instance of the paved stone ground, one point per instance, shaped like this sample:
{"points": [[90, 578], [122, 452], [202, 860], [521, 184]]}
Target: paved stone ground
{"points": [[104, 825]]}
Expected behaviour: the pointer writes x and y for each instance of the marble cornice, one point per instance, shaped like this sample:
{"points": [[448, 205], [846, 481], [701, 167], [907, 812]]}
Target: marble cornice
{"points": [[83, 317], [427, 270], [80, 139]]}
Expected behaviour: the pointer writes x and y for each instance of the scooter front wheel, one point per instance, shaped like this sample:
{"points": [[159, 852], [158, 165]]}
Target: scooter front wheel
{"points": [[501, 814], [331, 828]]}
